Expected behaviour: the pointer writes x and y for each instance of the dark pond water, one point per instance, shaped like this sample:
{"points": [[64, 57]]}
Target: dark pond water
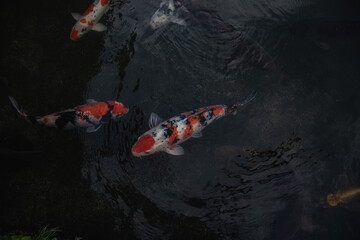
{"points": [[262, 174]]}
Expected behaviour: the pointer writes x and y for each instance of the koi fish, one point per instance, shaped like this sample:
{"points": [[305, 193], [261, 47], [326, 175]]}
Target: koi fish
{"points": [[91, 115], [243, 49], [89, 19], [169, 11], [166, 136], [341, 197]]}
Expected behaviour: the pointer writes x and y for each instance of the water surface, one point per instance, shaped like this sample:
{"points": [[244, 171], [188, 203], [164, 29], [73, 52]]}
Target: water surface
{"points": [[262, 174]]}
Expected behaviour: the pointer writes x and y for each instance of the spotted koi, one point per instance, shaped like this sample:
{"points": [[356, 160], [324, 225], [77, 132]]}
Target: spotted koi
{"points": [[169, 11], [89, 19], [91, 115], [166, 136]]}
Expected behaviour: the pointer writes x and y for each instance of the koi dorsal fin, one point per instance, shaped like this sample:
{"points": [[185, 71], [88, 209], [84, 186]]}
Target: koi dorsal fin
{"points": [[90, 101], [154, 120]]}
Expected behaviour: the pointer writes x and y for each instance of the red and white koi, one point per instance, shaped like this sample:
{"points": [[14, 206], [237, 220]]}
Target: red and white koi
{"points": [[90, 116], [89, 19], [166, 136]]}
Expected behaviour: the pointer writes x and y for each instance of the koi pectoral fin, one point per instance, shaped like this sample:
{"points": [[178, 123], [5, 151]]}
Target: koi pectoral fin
{"points": [[93, 129], [176, 150], [99, 27], [76, 16], [197, 135]]}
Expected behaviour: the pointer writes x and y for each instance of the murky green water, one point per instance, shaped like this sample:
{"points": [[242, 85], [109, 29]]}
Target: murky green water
{"points": [[262, 174]]}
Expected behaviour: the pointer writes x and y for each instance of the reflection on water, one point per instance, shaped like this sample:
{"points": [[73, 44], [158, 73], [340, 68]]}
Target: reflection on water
{"points": [[257, 175]]}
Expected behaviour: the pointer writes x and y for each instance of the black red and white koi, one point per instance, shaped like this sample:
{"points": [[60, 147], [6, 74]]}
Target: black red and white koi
{"points": [[166, 136], [89, 19], [90, 116]]}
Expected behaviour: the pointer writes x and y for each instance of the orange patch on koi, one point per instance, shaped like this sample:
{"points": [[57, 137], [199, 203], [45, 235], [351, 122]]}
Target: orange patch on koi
{"points": [[97, 110], [203, 114], [189, 130], [83, 20], [145, 143], [218, 111], [74, 34], [91, 23], [89, 10], [104, 2], [119, 108], [45, 120]]}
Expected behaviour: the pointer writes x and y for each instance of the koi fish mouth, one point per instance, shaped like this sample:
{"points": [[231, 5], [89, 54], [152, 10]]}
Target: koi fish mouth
{"points": [[78, 31]]}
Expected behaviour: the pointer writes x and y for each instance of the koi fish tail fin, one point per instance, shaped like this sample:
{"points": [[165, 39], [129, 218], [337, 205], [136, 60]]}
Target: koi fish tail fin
{"points": [[16, 106], [233, 109], [248, 99]]}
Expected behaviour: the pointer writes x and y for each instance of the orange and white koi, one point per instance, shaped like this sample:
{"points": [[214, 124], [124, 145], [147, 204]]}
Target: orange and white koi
{"points": [[89, 19], [341, 197], [166, 136], [90, 116]]}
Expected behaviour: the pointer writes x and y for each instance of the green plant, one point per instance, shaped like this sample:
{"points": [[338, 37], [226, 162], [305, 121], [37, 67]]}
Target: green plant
{"points": [[46, 233]]}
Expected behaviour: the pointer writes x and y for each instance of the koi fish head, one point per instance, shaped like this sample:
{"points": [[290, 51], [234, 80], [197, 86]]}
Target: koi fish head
{"points": [[147, 145], [118, 110], [143, 146], [78, 31]]}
